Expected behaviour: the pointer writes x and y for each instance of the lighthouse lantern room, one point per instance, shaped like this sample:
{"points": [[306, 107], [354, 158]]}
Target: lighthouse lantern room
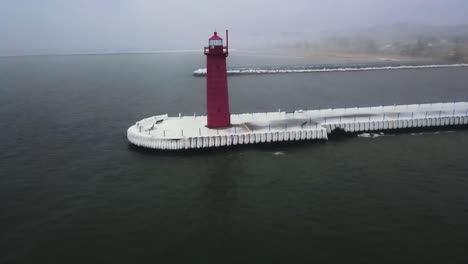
{"points": [[217, 96]]}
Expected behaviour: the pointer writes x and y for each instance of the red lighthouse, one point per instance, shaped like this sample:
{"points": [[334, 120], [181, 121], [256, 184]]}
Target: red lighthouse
{"points": [[217, 97]]}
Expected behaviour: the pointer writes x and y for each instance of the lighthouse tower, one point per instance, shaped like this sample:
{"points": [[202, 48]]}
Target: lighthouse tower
{"points": [[217, 97]]}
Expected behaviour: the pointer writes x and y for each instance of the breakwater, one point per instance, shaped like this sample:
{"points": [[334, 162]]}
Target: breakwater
{"points": [[190, 132], [326, 68]]}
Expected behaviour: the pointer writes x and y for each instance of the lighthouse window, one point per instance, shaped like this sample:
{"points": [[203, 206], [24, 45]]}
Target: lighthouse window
{"points": [[216, 42]]}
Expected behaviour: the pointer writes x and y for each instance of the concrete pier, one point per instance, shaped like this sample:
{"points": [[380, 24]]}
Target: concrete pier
{"points": [[190, 132]]}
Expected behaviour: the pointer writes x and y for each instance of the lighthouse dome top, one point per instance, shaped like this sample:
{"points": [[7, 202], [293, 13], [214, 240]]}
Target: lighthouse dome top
{"points": [[215, 36], [215, 40]]}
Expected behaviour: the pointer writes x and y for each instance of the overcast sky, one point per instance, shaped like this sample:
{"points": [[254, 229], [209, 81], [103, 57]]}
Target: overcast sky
{"points": [[75, 26]]}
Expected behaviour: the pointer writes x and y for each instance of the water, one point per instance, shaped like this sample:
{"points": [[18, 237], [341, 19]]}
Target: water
{"points": [[72, 190]]}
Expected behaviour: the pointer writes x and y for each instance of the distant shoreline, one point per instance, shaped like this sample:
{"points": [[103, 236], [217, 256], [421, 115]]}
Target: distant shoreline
{"points": [[327, 57], [106, 53]]}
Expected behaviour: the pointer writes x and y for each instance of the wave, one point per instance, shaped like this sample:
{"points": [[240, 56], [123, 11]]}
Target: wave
{"points": [[431, 133], [278, 153], [371, 135], [327, 68]]}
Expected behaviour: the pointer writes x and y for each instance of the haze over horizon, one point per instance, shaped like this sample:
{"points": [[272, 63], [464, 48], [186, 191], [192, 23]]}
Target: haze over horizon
{"points": [[66, 27]]}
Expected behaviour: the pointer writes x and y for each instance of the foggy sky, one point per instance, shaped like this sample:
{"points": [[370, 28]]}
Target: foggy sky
{"points": [[79, 26]]}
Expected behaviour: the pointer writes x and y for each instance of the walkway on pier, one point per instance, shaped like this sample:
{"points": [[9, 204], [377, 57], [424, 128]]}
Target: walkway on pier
{"points": [[186, 132]]}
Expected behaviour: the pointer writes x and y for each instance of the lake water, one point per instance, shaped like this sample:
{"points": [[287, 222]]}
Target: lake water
{"points": [[72, 190]]}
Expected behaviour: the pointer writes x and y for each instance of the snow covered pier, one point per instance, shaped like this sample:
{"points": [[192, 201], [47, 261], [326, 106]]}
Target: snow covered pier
{"points": [[190, 132]]}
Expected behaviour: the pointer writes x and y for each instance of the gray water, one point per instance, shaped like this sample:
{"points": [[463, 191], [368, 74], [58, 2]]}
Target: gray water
{"points": [[72, 190]]}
